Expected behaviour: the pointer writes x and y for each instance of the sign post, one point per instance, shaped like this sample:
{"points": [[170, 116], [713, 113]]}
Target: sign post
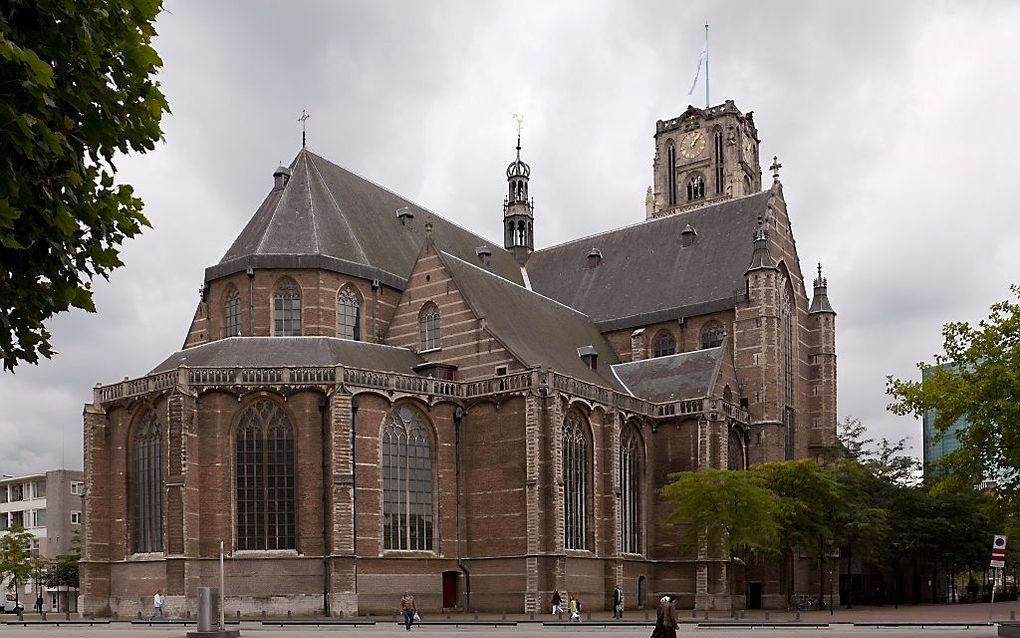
{"points": [[998, 562]]}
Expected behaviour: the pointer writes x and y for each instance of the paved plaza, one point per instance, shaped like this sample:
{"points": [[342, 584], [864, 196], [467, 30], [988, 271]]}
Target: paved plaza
{"points": [[841, 626]]}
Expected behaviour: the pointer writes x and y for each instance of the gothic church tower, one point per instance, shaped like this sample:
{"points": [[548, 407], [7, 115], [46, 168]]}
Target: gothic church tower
{"points": [[702, 156]]}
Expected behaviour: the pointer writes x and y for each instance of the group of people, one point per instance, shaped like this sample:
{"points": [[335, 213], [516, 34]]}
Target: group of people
{"points": [[573, 609], [665, 619]]}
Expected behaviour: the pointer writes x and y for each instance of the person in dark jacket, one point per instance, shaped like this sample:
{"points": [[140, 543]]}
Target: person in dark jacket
{"points": [[617, 602]]}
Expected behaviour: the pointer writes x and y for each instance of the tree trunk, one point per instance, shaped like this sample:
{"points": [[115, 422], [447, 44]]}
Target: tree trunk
{"points": [[849, 573]]}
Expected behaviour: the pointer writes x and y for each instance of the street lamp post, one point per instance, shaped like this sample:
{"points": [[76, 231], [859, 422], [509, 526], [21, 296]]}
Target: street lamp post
{"points": [[831, 610]]}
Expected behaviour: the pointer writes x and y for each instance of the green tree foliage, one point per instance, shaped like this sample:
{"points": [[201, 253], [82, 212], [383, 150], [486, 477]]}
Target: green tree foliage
{"points": [[17, 562], [723, 504], [977, 377], [76, 88]]}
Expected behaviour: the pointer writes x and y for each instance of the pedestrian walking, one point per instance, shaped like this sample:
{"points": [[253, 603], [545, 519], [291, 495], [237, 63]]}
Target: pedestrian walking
{"points": [[575, 610], [618, 603], [408, 609], [557, 603], [38, 604], [157, 605], [669, 619]]}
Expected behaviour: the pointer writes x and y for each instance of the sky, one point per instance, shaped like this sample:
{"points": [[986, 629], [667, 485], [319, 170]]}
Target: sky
{"points": [[893, 122]]}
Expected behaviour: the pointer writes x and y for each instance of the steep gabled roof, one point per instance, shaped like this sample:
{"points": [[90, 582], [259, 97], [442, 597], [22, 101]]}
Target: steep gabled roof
{"points": [[646, 275], [327, 217], [293, 351], [537, 330], [688, 375]]}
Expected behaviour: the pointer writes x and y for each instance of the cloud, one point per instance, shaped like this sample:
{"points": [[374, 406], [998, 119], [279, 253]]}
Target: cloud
{"points": [[893, 122]]}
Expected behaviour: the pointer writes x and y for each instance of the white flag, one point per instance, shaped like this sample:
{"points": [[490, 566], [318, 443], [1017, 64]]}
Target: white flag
{"points": [[697, 72]]}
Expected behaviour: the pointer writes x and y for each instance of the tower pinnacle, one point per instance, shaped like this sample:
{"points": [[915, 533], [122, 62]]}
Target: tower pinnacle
{"points": [[518, 210]]}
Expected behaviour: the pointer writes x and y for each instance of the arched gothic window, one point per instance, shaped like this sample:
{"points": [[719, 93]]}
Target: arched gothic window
{"points": [[265, 478], [407, 481], [712, 335], [287, 309], [695, 187], [232, 313], [665, 344], [719, 146], [787, 339], [429, 329], [671, 172], [147, 484], [630, 490], [576, 465], [348, 314]]}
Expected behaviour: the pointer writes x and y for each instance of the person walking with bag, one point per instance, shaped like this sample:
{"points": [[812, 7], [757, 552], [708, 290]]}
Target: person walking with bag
{"points": [[408, 609], [157, 605], [618, 603], [557, 603]]}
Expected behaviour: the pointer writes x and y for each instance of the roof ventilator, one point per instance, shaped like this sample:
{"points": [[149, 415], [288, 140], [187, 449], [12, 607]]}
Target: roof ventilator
{"points": [[280, 177], [589, 356], [403, 214], [688, 235], [485, 255], [594, 257]]}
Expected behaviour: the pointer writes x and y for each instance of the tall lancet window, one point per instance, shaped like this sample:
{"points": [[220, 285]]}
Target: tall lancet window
{"points": [[147, 484], [407, 481], [348, 314], [787, 309], [630, 490], [232, 313], [265, 478], [718, 161], [429, 329], [576, 463], [287, 309], [671, 172]]}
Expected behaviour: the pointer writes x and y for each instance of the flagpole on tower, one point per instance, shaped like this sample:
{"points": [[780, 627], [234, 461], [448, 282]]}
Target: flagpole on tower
{"points": [[707, 103]]}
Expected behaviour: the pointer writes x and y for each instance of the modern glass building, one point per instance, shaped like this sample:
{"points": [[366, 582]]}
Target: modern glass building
{"points": [[936, 447]]}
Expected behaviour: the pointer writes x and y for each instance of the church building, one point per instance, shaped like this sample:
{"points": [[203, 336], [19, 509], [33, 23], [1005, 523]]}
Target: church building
{"points": [[372, 399]]}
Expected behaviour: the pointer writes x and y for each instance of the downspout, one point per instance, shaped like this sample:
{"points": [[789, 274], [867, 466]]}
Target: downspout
{"points": [[458, 418], [323, 404], [251, 301], [354, 489]]}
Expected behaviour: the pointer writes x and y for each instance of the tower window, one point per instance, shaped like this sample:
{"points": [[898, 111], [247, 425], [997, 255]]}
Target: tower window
{"points": [[718, 161], [232, 313], [429, 327], [695, 187], [348, 314], [287, 309], [671, 172], [665, 344]]}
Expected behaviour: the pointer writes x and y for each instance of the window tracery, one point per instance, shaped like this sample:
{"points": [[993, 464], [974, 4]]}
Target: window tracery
{"points": [[407, 481], [576, 457], [287, 309], [265, 478], [147, 484]]}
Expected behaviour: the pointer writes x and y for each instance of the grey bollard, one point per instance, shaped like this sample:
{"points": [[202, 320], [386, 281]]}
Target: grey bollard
{"points": [[504, 615], [589, 616], [238, 613], [67, 615], [531, 615], [766, 615], [706, 615], [797, 616], [560, 616], [21, 616], [447, 615], [476, 615], [208, 608], [1012, 615], [288, 613], [43, 614]]}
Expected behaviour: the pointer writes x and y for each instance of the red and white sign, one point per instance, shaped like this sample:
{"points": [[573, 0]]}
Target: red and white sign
{"points": [[998, 551]]}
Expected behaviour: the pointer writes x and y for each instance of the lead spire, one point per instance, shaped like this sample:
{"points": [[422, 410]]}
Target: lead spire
{"points": [[518, 209]]}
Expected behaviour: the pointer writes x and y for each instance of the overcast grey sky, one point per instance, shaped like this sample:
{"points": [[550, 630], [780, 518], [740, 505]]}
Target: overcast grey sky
{"points": [[894, 123]]}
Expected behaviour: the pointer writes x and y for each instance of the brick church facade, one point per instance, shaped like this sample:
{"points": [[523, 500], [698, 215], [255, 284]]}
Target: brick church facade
{"points": [[371, 399]]}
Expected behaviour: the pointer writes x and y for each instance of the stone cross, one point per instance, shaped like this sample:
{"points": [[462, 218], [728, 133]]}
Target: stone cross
{"points": [[775, 168]]}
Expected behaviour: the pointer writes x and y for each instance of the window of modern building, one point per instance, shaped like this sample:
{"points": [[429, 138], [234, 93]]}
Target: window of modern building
{"points": [[34, 546], [39, 518], [630, 490], [348, 314], [18, 519], [17, 492], [38, 489], [712, 335], [75, 518], [695, 187], [265, 478], [147, 484], [287, 309], [77, 488], [5, 521], [407, 481], [3, 493], [232, 313], [429, 327], [576, 453], [664, 344]]}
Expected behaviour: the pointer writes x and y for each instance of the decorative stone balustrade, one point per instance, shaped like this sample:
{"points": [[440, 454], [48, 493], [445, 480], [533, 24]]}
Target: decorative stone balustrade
{"points": [[355, 378]]}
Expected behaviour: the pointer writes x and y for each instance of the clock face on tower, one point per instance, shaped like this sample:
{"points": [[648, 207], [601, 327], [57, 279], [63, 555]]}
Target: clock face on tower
{"points": [[692, 144]]}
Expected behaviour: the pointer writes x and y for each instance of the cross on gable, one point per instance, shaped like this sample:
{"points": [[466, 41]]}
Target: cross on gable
{"points": [[304, 117], [775, 167]]}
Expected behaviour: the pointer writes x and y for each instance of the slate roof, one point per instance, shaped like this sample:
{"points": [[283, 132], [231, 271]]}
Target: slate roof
{"points": [[537, 330], [293, 351], [645, 275], [688, 375], [327, 217]]}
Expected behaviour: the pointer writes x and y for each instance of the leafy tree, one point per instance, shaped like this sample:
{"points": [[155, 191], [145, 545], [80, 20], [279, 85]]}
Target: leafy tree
{"points": [[727, 504], [17, 562], [76, 88], [977, 377]]}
